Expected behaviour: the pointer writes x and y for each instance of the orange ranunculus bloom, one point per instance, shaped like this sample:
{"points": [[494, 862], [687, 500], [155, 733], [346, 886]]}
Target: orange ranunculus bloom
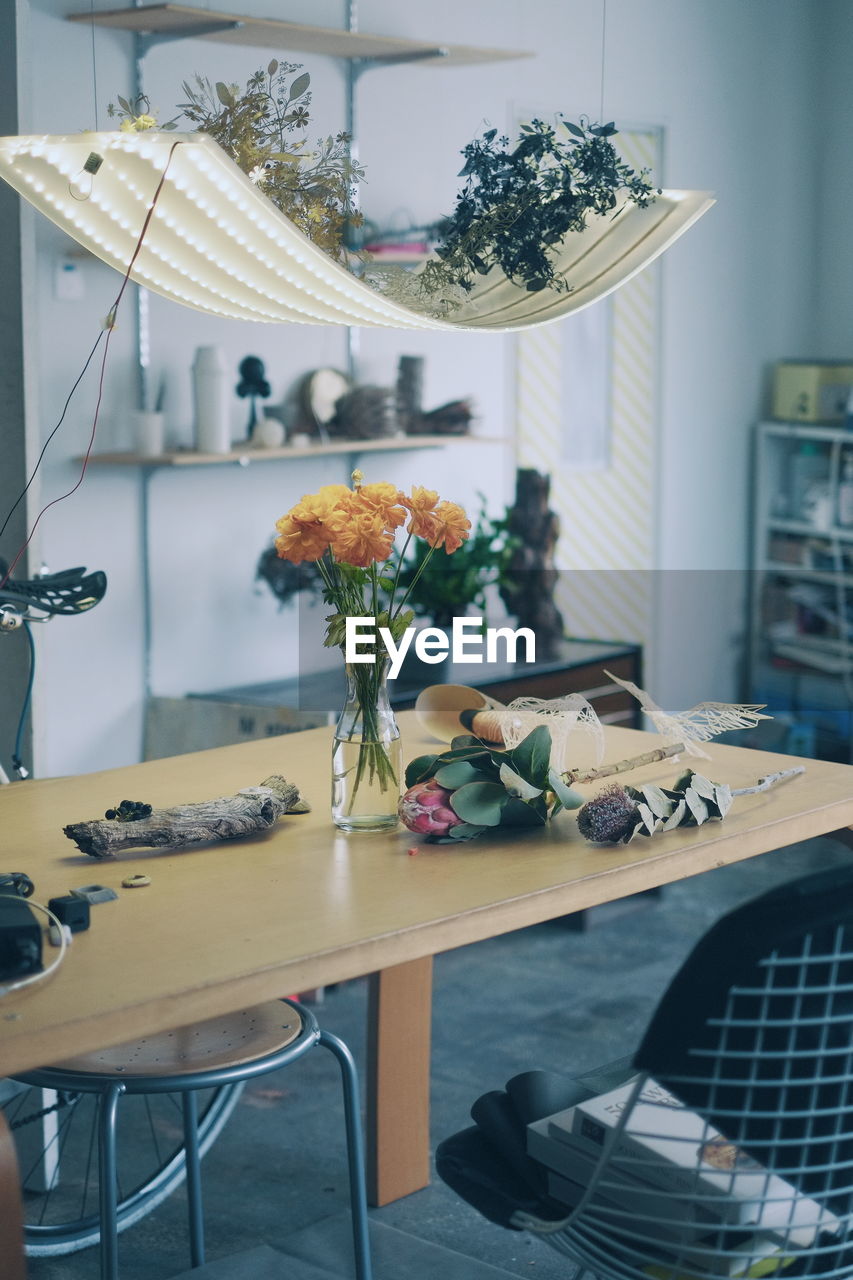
{"points": [[384, 499], [317, 506], [452, 526], [359, 538], [297, 542], [422, 503]]}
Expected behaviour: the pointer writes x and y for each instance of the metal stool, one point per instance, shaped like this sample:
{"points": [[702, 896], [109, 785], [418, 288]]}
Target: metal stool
{"points": [[221, 1051]]}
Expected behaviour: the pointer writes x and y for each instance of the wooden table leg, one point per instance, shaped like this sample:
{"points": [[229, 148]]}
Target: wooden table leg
{"points": [[398, 1071], [11, 1213]]}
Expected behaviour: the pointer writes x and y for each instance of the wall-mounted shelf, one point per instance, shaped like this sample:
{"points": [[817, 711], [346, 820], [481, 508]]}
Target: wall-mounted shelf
{"points": [[180, 21], [245, 455]]}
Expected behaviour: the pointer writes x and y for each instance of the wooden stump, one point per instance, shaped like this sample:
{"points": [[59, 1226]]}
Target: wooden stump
{"points": [[227, 818]]}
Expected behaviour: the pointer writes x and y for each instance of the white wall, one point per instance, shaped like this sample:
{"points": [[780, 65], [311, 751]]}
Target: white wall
{"points": [[731, 84], [832, 111]]}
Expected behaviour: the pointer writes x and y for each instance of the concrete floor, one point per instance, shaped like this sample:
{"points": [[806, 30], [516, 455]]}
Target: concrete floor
{"points": [[542, 997]]}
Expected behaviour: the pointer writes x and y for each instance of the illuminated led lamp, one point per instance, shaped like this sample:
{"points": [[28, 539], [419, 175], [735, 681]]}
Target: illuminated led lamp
{"points": [[216, 243]]}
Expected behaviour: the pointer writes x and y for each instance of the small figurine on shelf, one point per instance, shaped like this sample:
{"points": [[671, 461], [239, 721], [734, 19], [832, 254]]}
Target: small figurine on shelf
{"points": [[253, 384]]}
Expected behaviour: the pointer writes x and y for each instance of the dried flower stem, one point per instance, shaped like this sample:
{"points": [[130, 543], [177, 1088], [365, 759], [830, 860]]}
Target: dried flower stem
{"points": [[623, 766], [771, 780]]}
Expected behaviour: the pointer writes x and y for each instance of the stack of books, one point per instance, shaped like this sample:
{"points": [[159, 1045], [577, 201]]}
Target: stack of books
{"points": [[675, 1185]]}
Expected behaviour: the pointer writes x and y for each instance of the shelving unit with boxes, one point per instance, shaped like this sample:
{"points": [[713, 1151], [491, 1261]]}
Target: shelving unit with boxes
{"points": [[800, 659]]}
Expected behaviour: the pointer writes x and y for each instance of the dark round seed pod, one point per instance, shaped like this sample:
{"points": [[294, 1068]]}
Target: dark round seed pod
{"points": [[609, 817]]}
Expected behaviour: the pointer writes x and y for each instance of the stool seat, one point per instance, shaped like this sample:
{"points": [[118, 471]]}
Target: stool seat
{"points": [[232, 1040], [218, 1052]]}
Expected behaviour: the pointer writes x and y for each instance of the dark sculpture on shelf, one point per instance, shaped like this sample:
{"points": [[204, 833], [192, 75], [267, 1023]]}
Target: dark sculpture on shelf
{"points": [[532, 577], [253, 384], [286, 580]]}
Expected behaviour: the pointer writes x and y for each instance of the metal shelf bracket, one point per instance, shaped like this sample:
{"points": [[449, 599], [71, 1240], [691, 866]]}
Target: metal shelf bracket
{"points": [[147, 40]]}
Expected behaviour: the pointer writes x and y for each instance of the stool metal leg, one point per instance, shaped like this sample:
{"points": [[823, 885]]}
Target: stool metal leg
{"points": [[193, 1164], [355, 1153], [107, 1190]]}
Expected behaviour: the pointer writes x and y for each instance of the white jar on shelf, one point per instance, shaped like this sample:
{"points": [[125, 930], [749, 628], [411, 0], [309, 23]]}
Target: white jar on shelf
{"points": [[212, 428]]}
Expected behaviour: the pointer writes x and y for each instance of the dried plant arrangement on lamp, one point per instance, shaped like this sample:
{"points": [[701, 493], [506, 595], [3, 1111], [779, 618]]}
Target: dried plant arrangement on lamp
{"points": [[315, 188], [517, 204], [617, 814], [134, 824]]}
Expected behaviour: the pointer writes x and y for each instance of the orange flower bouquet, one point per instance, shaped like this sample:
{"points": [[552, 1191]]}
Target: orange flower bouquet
{"points": [[351, 536]]}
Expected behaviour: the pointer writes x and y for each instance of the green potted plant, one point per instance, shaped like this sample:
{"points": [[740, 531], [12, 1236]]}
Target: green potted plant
{"points": [[443, 587]]}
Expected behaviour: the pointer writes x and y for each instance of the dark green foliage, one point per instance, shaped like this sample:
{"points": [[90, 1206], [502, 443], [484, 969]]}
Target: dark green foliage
{"points": [[519, 202]]}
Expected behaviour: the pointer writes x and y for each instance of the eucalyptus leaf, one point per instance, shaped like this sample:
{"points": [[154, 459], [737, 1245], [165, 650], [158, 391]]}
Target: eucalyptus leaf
{"points": [[703, 786], [516, 785], [566, 797], [532, 757], [677, 816], [420, 769], [648, 818], [472, 754], [224, 94], [458, 773], [466, 831], [273, 67], [723, 798], [521, 813], [696, 805], [656, 800], [481, 803]]}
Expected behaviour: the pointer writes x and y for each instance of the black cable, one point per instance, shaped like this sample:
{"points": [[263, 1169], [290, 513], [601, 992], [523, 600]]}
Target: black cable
{"points": [[17, 763], [79, 379], [105, 333]]}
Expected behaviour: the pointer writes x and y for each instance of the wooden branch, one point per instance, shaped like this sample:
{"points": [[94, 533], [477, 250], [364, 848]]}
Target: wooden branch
{"points": [[772, 780], [622, 766], [227, 818]]}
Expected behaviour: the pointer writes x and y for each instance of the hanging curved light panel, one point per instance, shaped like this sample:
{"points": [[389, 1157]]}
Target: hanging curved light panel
{"points": [[216, 243]]}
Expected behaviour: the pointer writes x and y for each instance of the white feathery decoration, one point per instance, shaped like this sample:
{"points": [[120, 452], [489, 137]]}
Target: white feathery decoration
{"points": [[700, 724], [563, 716]]}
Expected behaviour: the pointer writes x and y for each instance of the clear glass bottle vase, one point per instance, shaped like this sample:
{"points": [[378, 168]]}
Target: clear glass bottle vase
{"points": [[367, 755]]}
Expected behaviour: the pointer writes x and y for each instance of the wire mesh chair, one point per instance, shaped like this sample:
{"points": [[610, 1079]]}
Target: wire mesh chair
{"points": [[730, 1150]]}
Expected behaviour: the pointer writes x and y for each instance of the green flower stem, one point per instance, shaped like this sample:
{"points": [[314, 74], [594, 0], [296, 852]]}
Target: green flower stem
{"points": [[400, 558], [429, 555], [373, 760]]}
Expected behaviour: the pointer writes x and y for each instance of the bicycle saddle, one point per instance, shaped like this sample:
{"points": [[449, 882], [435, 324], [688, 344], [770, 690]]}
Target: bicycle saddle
{"points": [[67, 592]]}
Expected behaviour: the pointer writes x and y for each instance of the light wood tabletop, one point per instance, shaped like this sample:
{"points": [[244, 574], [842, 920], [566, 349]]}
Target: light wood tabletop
{"points": [[225, 926]]}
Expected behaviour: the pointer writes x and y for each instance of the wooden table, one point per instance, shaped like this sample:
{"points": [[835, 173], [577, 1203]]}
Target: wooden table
{"points": [[223, 927]]}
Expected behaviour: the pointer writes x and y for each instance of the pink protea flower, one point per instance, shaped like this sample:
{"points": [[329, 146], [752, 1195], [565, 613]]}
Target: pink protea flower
{"points": [[425, 808]]}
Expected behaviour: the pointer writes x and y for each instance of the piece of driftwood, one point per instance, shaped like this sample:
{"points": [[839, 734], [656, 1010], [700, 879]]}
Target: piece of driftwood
{"points": [[227, 818], [531, 576]]}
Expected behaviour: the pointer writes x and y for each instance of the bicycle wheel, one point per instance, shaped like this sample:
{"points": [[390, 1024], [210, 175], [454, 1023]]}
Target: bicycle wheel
{"points": [[56, 1142]]}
